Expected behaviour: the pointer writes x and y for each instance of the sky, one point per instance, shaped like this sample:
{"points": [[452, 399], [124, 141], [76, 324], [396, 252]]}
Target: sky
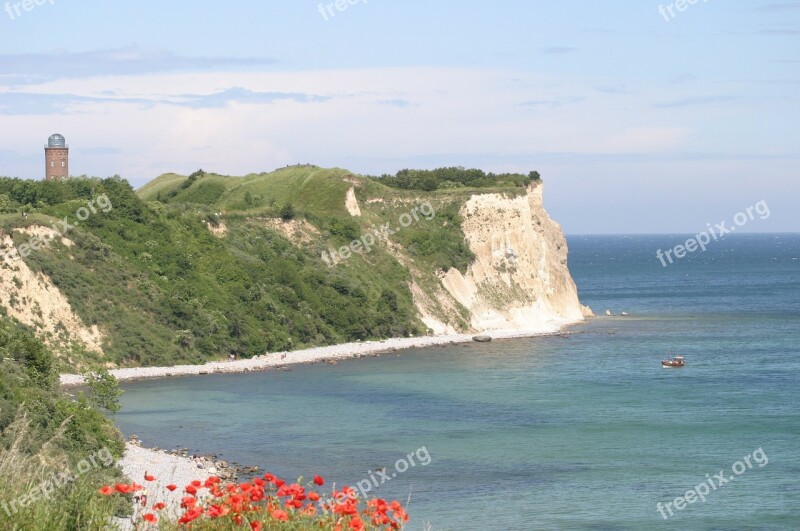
{"points": [[641, 116]]}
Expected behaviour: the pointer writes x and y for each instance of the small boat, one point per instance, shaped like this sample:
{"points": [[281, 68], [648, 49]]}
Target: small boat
{"points": [[673, 363]]}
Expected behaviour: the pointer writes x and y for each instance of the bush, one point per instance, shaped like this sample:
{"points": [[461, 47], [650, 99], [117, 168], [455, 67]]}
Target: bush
{"points": [[454, 177], [287, 211]]}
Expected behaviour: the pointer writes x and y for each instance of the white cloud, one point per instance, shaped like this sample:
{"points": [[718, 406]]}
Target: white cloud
{"points": [[241, 122]]}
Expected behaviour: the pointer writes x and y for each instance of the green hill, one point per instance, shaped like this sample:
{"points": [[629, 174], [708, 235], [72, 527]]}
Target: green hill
{"points": [[192, 268], [317, 190]]}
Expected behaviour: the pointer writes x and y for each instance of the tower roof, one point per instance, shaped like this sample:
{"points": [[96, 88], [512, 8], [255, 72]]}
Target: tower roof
{"points": [[56, 141]]}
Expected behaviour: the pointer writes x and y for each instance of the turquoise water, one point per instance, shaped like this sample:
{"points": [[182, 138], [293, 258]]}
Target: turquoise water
{"points": [[585, 431]]}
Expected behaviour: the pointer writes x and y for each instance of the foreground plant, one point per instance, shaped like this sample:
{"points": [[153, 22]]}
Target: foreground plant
{"points": [[266, 503]]}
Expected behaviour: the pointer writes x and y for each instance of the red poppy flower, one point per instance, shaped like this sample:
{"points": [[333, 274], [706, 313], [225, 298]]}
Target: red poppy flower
{"points": [[218, 511], [319, 481], [255, 526], [191, 489], [150, 517], [191, 515], [159, 506], [189, 502], [149, 477], [277, 514], [313, 496], [171, 488]]}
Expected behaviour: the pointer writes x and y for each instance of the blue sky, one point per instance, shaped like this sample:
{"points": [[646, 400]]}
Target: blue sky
{"points": [[639, 120]]}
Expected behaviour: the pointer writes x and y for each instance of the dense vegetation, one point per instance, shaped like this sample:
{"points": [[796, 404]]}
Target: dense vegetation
{"points": [[454, 177], [192, 268], [55, 449], [165, 290]]}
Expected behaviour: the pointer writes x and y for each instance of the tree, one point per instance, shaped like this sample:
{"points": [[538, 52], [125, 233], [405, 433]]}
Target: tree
{"points": [[6, 205], [104, 391]]}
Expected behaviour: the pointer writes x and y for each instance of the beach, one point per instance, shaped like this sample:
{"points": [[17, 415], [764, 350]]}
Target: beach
{"points": [[330, 353], [167, 469]]}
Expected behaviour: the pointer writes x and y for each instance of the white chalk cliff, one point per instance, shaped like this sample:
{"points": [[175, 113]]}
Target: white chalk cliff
{"points": [[33, 299], [519, 279]]}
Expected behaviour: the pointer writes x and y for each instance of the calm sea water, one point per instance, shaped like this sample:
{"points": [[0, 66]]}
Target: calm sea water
{"points": [[585, 431]]}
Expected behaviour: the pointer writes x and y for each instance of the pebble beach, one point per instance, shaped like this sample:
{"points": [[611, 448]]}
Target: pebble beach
{"points": [[330, 353], [168, 470]]}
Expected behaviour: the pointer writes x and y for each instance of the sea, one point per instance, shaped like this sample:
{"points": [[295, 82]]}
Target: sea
{"points": [[583, 430]]}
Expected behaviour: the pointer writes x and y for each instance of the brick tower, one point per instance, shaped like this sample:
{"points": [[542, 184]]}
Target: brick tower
{"points": [[56, 158]]}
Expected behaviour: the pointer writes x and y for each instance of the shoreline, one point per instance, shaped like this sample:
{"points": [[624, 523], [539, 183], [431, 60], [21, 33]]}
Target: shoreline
{"points": [[331, 353], [180, 470]]}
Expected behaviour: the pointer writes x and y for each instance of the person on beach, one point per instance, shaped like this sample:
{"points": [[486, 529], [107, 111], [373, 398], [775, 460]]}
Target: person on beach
{"points": [[144, 498]]}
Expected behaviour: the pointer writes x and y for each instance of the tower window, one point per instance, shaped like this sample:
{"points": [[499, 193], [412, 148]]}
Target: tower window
{"points": [[52, 164], [63, 163]]}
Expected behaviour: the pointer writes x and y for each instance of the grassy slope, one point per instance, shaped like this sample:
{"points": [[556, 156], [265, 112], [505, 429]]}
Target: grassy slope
{"points": [[165, 290], [319, 195], [44, 431], [318, 190]]}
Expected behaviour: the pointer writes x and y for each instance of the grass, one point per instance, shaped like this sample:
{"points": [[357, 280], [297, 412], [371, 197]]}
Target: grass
{"points": [[41, 491], [164, 290], [319, 191]]}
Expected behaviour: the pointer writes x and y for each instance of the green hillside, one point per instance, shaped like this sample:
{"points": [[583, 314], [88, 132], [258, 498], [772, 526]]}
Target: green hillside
{"points": [[317, 190], [193, 268]]}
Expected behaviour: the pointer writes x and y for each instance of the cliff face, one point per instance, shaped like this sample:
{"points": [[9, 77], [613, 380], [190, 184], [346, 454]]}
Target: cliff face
{"points": [[519, 280], [34, 300]]}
